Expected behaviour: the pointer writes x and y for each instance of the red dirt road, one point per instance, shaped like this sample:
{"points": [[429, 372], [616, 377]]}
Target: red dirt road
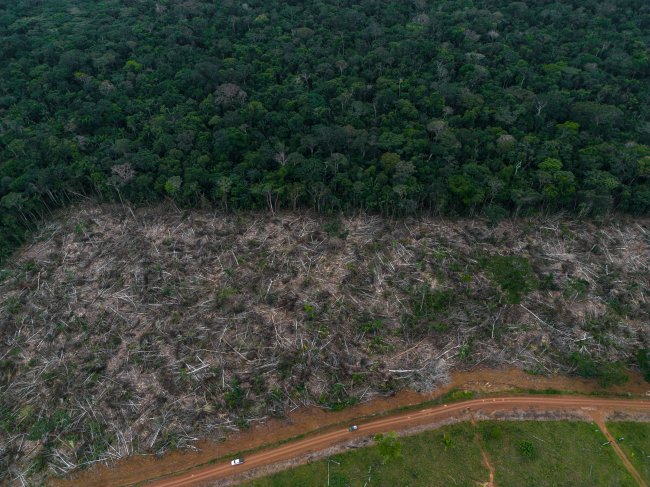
{"points": [[300, 448]]}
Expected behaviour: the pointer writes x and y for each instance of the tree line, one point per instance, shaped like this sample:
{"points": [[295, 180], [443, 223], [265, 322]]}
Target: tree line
{"points": [[460, 107]]}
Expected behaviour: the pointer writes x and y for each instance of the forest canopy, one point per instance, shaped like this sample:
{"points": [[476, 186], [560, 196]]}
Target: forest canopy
{"points": [[458, 107]]}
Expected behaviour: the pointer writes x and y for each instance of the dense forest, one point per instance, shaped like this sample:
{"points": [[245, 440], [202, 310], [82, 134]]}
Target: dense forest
{"points": [[459, 107]]}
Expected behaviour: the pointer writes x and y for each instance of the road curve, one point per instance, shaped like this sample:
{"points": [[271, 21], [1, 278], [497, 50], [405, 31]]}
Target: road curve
{"points": [[318, 442]]}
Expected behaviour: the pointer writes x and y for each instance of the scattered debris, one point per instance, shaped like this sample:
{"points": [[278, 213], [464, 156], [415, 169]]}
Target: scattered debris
{"points": [[140, 331]]}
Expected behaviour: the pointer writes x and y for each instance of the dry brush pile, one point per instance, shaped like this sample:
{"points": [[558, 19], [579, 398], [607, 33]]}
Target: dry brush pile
{"points": [[125, 332]]}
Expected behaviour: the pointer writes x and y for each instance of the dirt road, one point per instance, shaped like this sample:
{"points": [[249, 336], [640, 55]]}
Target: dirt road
{"points": [[204, 475], [137, 468]]}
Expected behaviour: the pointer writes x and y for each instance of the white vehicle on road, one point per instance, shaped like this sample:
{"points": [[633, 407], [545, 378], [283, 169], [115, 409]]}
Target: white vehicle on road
{"points": [[237, 461]]}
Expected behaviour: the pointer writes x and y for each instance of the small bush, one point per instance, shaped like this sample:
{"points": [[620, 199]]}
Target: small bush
{"points": [[643, 358], [577, 288], [493, 432], [456, 395], [608, 374], [527, 449], [427, 306], [388, 446], [447, 441], [585, 366], [45, 425], [612, 374], [336, 228], [370, 327], [236, 397], [310, 311], [223, 296], [379, 345], [8, 420], [465, 351], [514, 276], [4, 275]]}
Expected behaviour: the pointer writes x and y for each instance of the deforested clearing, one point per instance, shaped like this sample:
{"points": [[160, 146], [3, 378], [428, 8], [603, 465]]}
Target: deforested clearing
{"points": [[141, 331]]}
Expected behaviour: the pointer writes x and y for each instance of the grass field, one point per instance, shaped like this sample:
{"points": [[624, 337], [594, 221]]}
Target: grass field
{"points": [[523, 454], [558, 454], [425, 461], [636, 444]]}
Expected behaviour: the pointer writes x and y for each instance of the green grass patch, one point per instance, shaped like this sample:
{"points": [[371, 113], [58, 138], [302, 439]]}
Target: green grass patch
{"points": [[444, 457], [523, 453], [635, 444], [549, 392], [427, 310], [513, 274], [552, 453], [456, 395]]}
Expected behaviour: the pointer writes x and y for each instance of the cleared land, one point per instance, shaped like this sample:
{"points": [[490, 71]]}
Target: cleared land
{"points": [[532, 453], [144, 331]]}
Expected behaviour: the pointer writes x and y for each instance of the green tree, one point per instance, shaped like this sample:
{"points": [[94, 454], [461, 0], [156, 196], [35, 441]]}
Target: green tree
{"points": [[556, 185]]}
